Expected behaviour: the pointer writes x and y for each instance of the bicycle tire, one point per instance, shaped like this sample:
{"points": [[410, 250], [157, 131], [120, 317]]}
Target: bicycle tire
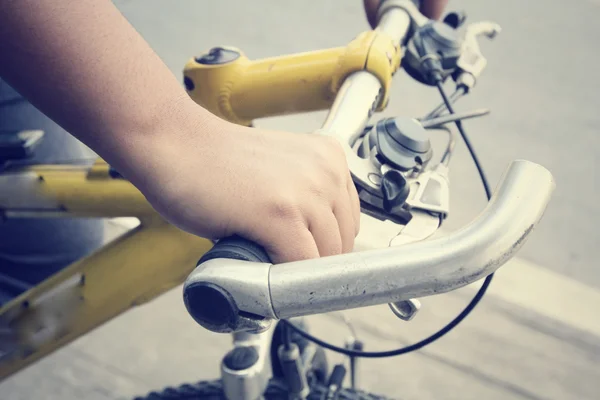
{"points": [[276, 390]]}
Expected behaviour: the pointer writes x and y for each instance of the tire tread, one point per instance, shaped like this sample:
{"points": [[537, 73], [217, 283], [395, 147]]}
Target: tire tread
{"points": [[276, 390]]}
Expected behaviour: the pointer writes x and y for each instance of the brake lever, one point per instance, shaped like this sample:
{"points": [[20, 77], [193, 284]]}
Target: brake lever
{"points": [[399, 148], [422, 226], [471, 62]]}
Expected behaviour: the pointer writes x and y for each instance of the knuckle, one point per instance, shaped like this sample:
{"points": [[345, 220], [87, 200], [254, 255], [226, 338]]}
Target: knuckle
{"points": [[332, 146], [318, 187], [285, 208], [324, 185], [329, 167], [338, 177]]}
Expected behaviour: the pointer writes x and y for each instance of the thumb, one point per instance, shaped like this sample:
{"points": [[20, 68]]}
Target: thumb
{"points": [[291, 246], [371, 7]]}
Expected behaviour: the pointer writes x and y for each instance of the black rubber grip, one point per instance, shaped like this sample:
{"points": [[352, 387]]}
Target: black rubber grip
{"points": [[237, 248]]}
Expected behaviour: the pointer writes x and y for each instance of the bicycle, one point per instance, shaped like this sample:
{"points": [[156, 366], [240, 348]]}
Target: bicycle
{"points": [[234, 288]]}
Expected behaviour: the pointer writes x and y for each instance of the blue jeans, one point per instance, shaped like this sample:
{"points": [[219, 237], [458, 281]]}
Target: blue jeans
{"points": [[33, 249]]}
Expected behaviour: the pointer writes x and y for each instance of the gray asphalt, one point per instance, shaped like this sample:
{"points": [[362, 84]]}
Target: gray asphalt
{"points": [[540, 86]]}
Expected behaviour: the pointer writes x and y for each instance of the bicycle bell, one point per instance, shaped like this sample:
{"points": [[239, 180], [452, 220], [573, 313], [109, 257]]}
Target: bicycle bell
{"points": [[402, 143]]}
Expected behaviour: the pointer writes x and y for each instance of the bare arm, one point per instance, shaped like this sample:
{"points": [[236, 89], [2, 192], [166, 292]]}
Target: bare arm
{"points": [[81, 63], [84, 65], [430, 8]]}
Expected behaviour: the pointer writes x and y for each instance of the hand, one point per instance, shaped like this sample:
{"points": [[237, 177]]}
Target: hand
{"points": [[291, 193], [430, 8]]}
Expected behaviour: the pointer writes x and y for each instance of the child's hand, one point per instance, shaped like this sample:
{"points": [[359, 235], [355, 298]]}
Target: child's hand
{"points": [[430, 8], [291, 193]]}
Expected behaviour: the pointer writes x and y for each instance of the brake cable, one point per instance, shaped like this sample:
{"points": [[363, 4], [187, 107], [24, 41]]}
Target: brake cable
{"points": [[459, 318]]}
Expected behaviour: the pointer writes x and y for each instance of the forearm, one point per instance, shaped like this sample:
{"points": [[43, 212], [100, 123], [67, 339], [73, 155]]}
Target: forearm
{"points": [[85, 66], [433, 8], [430, 8]]}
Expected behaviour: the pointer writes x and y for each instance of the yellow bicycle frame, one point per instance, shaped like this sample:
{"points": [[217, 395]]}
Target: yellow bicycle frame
{"points": [[157, 256]]}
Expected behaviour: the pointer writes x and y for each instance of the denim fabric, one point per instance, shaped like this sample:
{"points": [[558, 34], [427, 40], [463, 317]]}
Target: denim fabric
{"points": [[32, 249]]}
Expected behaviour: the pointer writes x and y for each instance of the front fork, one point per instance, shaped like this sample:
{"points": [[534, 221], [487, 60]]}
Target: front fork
{"points": [[244, 369]]}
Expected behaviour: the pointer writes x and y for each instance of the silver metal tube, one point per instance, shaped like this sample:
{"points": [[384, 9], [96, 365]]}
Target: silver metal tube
{"points": [[395, 22], [421, 269], [359, 94], [348, 117], [248, 383], [353, 106], [357, 98]]}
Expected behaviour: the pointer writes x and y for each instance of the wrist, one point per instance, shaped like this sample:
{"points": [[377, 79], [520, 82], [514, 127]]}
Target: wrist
{"points": [[149, 149]]}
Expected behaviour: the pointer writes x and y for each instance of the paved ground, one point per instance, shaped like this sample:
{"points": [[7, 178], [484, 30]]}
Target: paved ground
{"points": [[537, 336], [511, 347]]}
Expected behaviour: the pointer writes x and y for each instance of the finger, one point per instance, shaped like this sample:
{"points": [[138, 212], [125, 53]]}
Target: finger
{"points": [[287, 245], [371, 7], [433, 8], [354, 204], [326, 232], [346, 222]]}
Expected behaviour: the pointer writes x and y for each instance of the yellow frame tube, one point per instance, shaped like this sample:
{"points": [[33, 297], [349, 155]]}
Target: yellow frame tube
{"points": [[92, 192], [129, 271]]}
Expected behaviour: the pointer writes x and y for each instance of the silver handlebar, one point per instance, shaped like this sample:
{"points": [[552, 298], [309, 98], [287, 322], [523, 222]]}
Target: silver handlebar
{"points": [[391, 274]]}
